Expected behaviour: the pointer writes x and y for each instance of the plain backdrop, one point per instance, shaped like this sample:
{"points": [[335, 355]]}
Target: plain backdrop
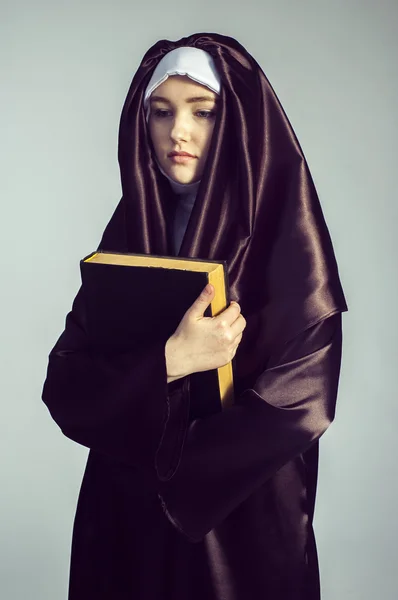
{"points": [[65, 70]]}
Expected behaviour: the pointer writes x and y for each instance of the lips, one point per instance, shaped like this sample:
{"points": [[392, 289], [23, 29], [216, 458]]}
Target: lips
{"points": [[181, 154]]}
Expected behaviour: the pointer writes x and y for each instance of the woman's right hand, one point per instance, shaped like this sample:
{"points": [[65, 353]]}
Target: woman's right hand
{"points": [[202, 343]]}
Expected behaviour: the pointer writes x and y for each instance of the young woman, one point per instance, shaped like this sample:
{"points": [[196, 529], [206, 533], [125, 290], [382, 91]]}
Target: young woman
{"points": [[176, 506]]}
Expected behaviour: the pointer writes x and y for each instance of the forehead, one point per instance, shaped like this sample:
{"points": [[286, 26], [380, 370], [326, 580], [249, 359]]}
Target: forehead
{"points": [[182, 86]]}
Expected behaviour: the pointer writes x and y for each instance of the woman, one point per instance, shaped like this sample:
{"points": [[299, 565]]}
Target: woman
{"points": [[172, 505]]}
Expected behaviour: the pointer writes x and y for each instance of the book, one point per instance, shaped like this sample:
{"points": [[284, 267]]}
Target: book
{"points": [[135, 299]]}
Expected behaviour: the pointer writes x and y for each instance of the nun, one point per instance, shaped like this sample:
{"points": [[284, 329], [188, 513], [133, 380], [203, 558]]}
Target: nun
{"points": [[177, 504]]}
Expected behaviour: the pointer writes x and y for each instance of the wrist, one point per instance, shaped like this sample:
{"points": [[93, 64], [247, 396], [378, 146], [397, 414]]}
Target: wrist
{"points": [[173, 360]]}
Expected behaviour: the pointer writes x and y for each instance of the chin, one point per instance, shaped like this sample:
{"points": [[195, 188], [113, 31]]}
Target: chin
{"points": [[183, 180], [182, 177]]}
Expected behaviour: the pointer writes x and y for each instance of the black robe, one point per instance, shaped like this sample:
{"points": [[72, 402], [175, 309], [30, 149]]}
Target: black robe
{"points": [[175, 507], [234, 520]]}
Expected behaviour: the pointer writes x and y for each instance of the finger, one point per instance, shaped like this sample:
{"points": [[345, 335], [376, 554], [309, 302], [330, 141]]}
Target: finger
{"points": [[238, 326], [229, 315], [202, 301], [238, 340]]}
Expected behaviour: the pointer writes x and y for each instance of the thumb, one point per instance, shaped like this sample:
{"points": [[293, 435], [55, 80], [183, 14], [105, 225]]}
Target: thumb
{"points": [[202, 301]]}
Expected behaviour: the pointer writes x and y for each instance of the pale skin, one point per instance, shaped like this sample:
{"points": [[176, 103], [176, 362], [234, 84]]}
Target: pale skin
{"points": [[182, 119]]}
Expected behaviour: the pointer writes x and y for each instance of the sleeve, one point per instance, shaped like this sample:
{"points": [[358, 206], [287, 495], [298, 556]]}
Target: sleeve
{"points": [[119, 405], [227, 456]]}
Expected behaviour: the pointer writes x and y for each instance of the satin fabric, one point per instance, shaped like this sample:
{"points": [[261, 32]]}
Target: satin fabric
{"points": [[219, 507], [256, 207]]}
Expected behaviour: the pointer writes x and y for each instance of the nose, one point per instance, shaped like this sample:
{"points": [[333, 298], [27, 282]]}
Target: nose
{"points": [[180, 129]]}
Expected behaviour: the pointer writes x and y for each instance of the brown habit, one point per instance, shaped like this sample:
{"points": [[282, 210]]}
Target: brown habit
{"points": [[174, 507]]}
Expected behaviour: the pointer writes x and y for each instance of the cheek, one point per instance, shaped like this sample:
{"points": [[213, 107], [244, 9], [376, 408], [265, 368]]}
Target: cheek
{"points": [[156, 136], [207, 135]]}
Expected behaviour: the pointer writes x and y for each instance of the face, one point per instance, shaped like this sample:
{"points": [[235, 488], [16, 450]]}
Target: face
{"points": [[182, 118]]}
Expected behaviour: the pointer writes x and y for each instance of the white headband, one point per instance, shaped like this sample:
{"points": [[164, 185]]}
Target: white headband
{"points": [[193, 62]]}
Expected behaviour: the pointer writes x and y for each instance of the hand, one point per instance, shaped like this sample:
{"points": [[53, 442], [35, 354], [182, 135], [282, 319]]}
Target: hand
{"points": [[202, 343]]}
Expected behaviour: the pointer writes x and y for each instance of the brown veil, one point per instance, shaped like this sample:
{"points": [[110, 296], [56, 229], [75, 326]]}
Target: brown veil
{"points": [[256, 206]]}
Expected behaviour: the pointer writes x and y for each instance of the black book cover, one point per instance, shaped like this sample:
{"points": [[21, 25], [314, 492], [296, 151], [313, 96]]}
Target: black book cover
{"points": [[129, 307]]}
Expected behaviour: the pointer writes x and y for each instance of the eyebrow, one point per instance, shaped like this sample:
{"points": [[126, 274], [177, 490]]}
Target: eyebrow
{"points": [[189, 100]]}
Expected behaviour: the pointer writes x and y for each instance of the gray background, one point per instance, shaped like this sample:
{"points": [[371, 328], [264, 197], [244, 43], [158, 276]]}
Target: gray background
{"points": [[65, 70]]}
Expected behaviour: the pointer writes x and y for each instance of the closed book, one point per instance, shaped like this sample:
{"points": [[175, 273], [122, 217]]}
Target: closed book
{"points": [[133, 300]]}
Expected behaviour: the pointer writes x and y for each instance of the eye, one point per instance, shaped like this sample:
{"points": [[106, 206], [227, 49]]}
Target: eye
{"points": [[206, 114], [160, 112]]}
